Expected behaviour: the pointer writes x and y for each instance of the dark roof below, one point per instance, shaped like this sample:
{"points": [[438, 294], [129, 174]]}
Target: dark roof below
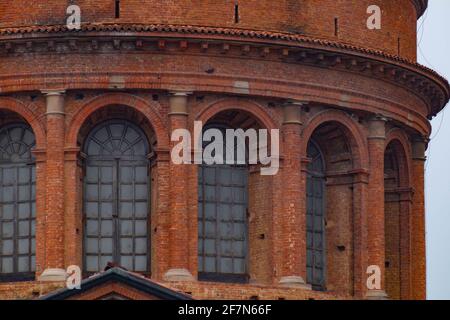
{"points": [[122, 276]]}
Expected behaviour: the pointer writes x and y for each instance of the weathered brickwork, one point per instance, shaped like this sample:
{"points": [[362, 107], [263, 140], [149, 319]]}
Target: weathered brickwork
{"points": [[312, 70]]}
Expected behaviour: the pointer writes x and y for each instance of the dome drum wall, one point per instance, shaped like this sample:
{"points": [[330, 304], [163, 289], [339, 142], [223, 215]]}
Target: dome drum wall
{"points": [[341, 20], [162, 67]]}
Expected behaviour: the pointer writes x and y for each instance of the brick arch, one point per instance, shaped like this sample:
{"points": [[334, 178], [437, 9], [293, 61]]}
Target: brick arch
{"points": [[354, 134], [403, 152], [30, 117], [147, 109], [250, 107]]}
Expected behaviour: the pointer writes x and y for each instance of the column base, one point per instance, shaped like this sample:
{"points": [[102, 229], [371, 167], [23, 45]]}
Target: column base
{"points": [[178, 275], [53, 275], [294, 282], [377, 295]]}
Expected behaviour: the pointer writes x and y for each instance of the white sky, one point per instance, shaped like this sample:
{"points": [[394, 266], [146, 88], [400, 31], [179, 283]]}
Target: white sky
{"points": [[434, 52]]}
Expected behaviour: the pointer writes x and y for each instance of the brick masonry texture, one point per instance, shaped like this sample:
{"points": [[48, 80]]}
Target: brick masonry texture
{"points": [[360, 96]]}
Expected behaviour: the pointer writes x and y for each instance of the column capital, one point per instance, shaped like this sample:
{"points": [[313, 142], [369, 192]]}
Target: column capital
{"points": [[178, 103], [298, 103], [40, 154], [292, 112], [419, 147], [180, 93], [53, 92], [55, 101], [377, 127], [379, 118]]}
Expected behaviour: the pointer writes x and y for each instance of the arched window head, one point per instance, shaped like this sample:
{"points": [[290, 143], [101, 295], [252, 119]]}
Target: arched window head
{"points": [[16, 144], [117, 139]]}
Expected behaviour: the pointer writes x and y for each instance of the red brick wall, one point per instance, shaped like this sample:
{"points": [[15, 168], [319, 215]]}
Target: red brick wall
{"points": [[345, 95]]}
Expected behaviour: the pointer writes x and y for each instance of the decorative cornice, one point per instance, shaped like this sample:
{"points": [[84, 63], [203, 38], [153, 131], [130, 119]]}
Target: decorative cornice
{"points": [[266, 45], [421, 6]]}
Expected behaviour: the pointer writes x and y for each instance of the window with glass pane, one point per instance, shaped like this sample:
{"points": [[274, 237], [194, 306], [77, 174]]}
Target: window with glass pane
{"points": [[116, 198], [17, 203], [222, 222], [315, 219]]}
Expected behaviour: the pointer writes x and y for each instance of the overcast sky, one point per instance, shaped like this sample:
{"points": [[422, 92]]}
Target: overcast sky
{"points": [[434, 52]]}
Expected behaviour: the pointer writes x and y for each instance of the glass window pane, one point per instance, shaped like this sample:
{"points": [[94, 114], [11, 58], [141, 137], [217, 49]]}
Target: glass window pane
{"points": [[141, 209], [24, 246], [24, 210], [126, 192], [9, 176], [210, 246], [141, 192], [92, 245], [7, 230], [92, 227], [106, 245], [104, 260], [239, 249], [92, 209], [126, 245], [107, 228], [24, 264], [24, 228], [106, 192], [239, 266], [141, 246], [8, 211], [210, 264], [106, 209], [24, 193], [7, 265], [24, 175], [7, 247], [106, 174], [140, 228], [126, 228], [92, 174], [8, 194], [126, 209], [226, 265], [92, 264], [126, 175], [140, 263], [141, 174], [126, 262]]}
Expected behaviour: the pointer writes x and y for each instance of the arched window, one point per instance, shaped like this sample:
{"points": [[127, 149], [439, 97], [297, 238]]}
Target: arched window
{"points": [[397, 220], [315, 219], [17, 203], [222, 220], [116, 197]]}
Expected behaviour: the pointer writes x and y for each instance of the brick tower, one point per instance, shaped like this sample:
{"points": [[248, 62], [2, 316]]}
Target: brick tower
{"points": [[86, 177]]}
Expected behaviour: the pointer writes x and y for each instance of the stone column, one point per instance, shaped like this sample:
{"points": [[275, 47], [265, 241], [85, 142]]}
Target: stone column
{"points": [[375, 216], [73, 206], [179, 228], [291, 239], [40, 156], [405, 204], [360, 216], [55, 267], [418, 265]]}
